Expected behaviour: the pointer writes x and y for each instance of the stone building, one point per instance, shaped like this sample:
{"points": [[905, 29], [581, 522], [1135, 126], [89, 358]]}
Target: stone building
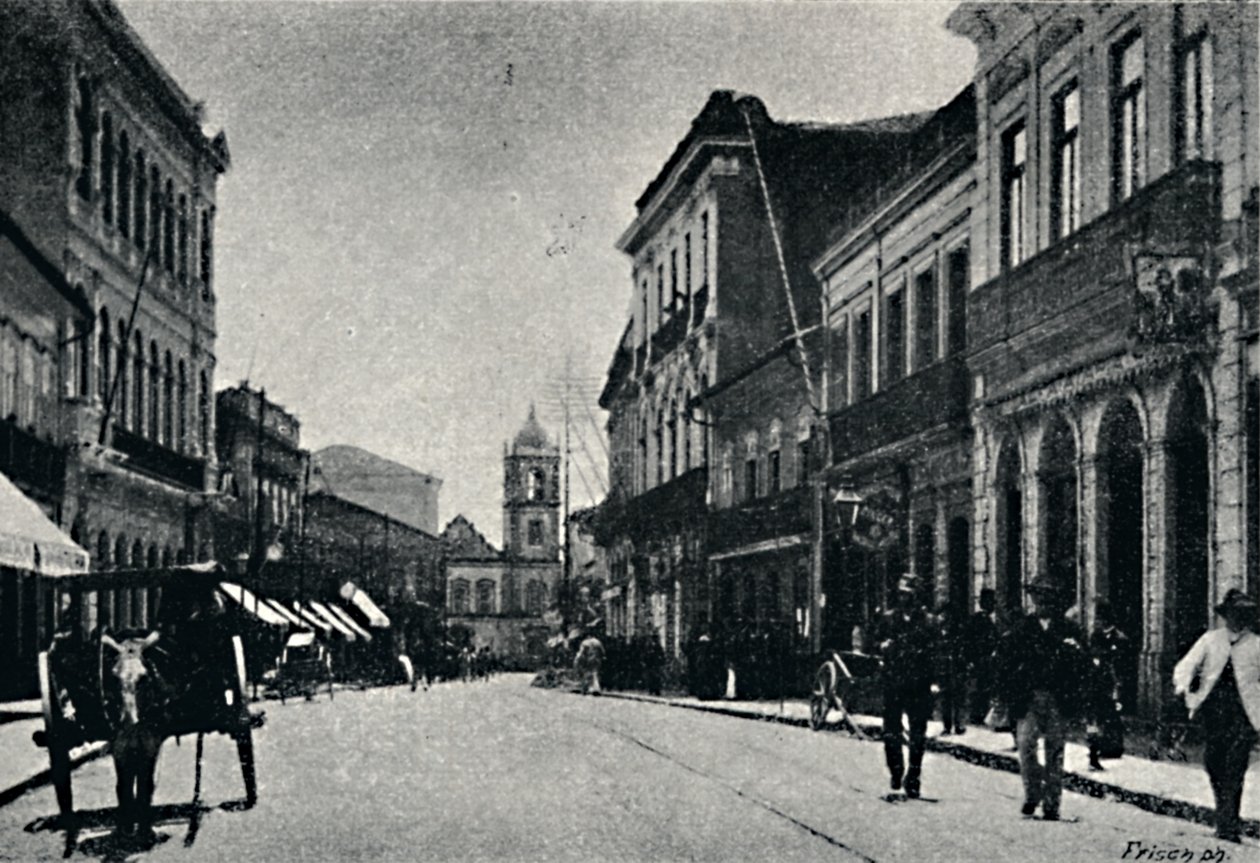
{"points": [[104, 164], [262, 477], [1112, 320], [503, 596], [895, 284]]}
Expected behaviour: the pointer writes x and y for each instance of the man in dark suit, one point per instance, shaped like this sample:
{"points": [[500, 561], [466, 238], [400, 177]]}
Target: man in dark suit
{"points": [[982, 640], [1041, 666], [906, 642]]}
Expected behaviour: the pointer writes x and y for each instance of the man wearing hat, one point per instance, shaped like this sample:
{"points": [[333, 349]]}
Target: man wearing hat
{"points": [[1041, 665], [906, 641], [1220, 679]]}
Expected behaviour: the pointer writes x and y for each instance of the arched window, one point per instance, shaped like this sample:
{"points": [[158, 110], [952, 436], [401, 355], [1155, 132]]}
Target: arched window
{"points": [[124, 184], [181, 422], [102, 353], [459, 596], [151, 557], [535, 597], [155, 215], [642, 467], [536, 484], [203, 415], [168, 402], [122, 555], [137, 365], [168, 228], [672, 443], [183, 239], [774, 461], [660, 446], [728, 476], [122, 385], [84, 122], [207, 250], [168, 556], [704, 417], [155, 384], [686, 424], [137, 554], [750, 466], [485, 596], [140, 202], [102, 551], [107, 168], [804, 434]]}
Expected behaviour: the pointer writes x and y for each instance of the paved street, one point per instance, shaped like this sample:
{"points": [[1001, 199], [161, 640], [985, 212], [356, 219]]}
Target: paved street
{"points": [[503, 771]]}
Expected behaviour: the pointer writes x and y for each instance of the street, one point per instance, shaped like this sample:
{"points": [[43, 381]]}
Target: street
{"points": [[502, 771]]}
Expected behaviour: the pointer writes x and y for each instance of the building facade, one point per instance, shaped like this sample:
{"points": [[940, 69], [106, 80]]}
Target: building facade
{"points": [[1112, 322], [106, 168]]}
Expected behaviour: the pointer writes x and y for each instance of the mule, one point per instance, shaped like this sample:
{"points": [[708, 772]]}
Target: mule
{"points": [[588, 662], [136, 716]]}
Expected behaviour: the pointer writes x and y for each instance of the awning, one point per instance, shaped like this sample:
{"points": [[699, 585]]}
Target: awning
{"points": [[29, 540], [344, 617], [313, 620], [322, 611], [364, 603], [293, 619], [252, 604]]}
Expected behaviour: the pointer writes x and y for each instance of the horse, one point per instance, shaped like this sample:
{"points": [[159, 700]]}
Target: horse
{"points": [[587, 663], [135, 711]]}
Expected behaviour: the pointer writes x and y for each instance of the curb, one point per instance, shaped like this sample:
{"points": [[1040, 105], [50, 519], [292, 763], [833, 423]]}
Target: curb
{"points": [[90, 753], [1146, 801]]}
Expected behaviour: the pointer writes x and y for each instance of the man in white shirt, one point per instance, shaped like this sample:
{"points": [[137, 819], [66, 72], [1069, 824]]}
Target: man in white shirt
{"points": [[1220, 679]]}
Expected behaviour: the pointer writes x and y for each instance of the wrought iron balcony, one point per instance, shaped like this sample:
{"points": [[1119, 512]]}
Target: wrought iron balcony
{"points": [[660, 511], [926, 399], [158, 461], [784, 514], [29, 461]]}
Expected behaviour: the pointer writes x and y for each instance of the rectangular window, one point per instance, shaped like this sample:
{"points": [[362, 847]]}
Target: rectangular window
{"points": [[750, 479], [1014, 168], [673, 280], [894, 338], [1065, 183], [839, 372], [1194, 98], [660, 294], [687, 265], [802, 460], [535, 532], [925, 323], [704, 250], [207, 253], [773, 478], [959, 275], [862, 356], [1128, 118], [646, 324]]}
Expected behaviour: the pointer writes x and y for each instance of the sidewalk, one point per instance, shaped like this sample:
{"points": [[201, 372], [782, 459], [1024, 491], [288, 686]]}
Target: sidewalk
{"points": [[23, 765], [1178, 789]]}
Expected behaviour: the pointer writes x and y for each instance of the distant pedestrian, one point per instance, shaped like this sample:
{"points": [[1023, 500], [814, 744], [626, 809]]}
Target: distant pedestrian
{"points": [[1041, 665], [951, 666], [983, 631], [466, 663], [907, 643], [1108, 649], [587, 663], [1220, 679]]}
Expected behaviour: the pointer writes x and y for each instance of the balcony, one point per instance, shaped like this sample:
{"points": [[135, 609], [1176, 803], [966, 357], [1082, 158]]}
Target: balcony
{"points": [[784, 514], [35, 464], [926, 399], [671, 333], [661, 511], [158, 461], [1074, 301]]}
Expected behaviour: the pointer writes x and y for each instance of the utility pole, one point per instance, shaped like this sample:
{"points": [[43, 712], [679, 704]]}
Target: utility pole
{"points": [[822, 426], [567, 573]]}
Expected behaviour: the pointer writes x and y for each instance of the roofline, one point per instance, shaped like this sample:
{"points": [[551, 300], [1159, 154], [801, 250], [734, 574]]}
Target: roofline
{"points": [[349, 504]]}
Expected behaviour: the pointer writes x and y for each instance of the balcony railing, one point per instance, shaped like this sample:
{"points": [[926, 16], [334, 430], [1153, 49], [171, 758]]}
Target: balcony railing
{"points": [[29, 461], [671, 333], [660, 511], [1083, 281], [156, 460], [928, 398], [784, 514]]}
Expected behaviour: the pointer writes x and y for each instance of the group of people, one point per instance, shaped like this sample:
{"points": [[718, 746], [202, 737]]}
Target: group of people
{"points": [[477, 663], [1039, 673]]}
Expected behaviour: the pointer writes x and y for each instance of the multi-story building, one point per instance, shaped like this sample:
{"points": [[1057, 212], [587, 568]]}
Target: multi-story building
{"points": [[721, 286], [104, 164], [502, 596], [1112, 323], [895, 283], [262, 477]]}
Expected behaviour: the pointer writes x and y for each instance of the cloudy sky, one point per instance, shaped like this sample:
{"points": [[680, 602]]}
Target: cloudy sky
{"points": [[415, 239]]}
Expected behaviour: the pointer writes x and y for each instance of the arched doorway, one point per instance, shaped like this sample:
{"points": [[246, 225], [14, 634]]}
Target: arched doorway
{"points": [[925, 561], [1187, 503], [1058, 482], [958, 549], [1009, 563], [1120, 532]]}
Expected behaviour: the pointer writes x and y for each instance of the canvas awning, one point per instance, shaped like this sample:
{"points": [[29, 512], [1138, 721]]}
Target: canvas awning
{"points": [[293, 619], [344, 617], [246, 599], [363, 602], [313, 620], [323, 612], [29, 540]]}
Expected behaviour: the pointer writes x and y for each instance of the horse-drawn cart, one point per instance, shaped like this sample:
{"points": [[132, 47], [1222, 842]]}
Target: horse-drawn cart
{"points": [[182, 674]]}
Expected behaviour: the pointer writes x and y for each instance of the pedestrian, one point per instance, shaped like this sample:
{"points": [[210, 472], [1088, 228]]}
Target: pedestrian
{"points": [[983, 631], [465, 663], [907, 644], [1108, 648], [1220, 679], [951, 669], [1041, 664]]}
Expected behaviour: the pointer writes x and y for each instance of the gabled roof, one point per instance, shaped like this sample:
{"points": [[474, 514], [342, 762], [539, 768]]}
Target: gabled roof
{"points": [[464, 542]]}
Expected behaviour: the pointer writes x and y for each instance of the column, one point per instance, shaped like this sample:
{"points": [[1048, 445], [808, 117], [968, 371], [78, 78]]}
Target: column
{"points": [[1088, 545], [1157, 572]]}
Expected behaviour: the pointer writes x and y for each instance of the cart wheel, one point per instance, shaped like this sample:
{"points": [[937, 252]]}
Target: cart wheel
{"points": [[245, 751], [58, 751], [820, 697]]}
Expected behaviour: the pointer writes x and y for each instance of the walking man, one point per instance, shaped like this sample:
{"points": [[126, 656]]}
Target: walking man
{"points": [[1108, 650], [1220, 679], [907, 643], [982, 641], [1041, 665], [952, 667]]}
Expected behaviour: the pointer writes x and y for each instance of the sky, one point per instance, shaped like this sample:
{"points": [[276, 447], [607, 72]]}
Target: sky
{"points": [[415, 240]]}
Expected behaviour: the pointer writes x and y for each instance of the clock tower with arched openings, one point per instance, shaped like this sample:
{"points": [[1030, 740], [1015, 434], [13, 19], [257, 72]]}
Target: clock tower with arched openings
{"points": [[531, 518]]}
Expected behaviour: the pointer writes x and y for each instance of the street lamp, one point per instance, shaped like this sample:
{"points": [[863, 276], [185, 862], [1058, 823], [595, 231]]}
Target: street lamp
{"points": [[846, 502]]}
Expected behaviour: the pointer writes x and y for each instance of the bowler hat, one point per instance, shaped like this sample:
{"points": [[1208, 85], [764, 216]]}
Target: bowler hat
{"points": [[1238, 603]]}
